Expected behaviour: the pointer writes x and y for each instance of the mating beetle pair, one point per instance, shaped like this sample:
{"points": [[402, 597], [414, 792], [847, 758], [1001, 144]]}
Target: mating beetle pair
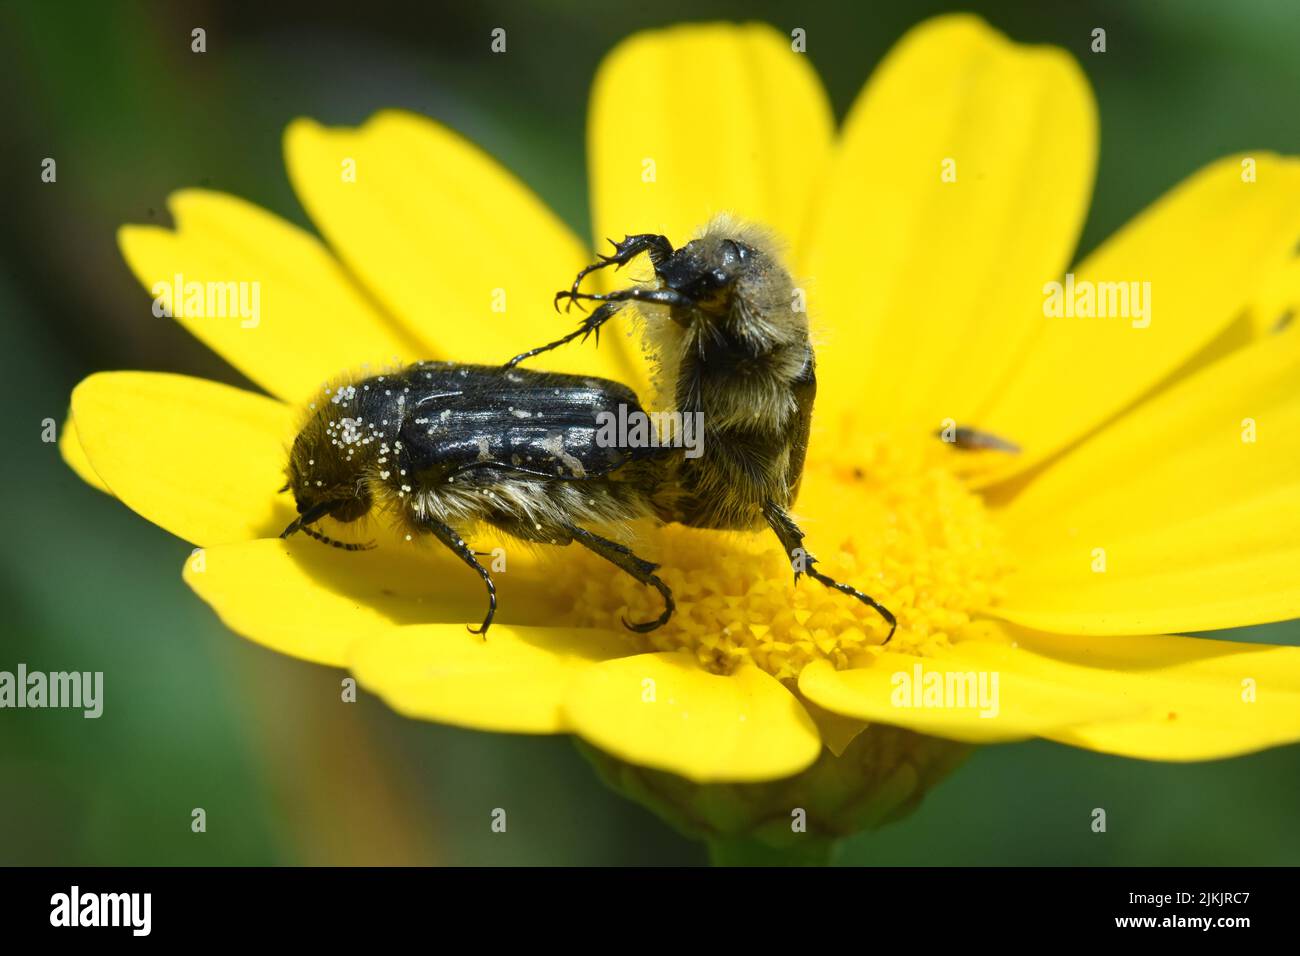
{"points": [[441, 446]]}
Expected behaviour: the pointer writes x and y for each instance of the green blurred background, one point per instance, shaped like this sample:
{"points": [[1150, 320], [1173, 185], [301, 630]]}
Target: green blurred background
{"points": [[196, 717]]}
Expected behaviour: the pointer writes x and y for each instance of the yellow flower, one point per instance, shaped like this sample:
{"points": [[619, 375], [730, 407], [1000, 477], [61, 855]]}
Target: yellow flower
{"points": [[1156, 490]]}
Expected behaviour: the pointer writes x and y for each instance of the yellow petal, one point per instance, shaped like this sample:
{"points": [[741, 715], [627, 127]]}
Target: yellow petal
{"points": [[302, 598], [199, 459], [1200, 699], [310, 322], [1171, 519], [1273, 308], [1205, 248], [444, 237], [982, 693], [513, 682], [925, 286], [1276, 305], [700, 119], [666, 712], [74, 456]]}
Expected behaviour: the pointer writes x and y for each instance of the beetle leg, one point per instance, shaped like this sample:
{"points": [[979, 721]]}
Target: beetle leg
{"points": [[590, 324], [791, 537], [624, 252], [634, 293], [641, 569], [345, 545], [452, 540], [611, 303]]}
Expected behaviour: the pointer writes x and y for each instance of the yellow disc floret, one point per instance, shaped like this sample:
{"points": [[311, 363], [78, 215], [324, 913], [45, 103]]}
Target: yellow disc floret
{"points": [[891, 520]]}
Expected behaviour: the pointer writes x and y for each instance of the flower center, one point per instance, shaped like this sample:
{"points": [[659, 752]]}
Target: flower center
{"points": [[892, 520]]}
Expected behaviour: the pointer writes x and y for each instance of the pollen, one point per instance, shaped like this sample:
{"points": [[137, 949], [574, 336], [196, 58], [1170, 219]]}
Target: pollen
{"points": [[897, 525]]}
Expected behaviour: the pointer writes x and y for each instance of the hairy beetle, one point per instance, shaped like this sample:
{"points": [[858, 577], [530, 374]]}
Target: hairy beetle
{"points": [[725, 322], [440, 446]]}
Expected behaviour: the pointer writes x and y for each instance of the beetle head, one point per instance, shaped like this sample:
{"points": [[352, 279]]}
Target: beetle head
{"points": [[707, 271]]}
